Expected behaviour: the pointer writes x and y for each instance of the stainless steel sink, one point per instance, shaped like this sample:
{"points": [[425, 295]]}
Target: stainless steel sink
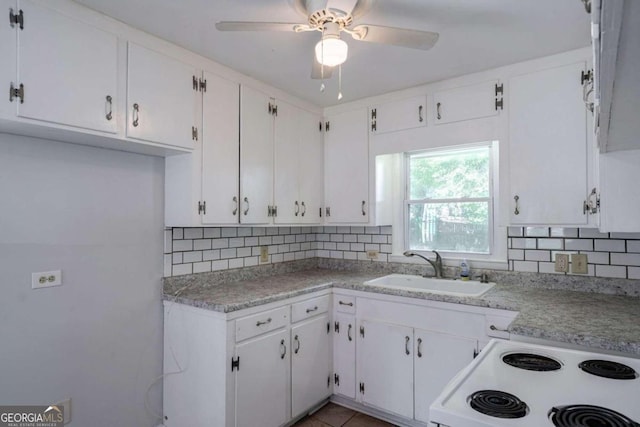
{"points": [[469, 288]]}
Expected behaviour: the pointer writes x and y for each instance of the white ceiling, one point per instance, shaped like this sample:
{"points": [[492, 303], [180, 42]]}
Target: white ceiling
{"points": [[475, 35]]}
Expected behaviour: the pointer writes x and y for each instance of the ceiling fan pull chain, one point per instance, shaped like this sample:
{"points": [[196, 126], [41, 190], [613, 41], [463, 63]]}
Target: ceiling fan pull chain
{"points": [[339, 82], [322, 62]]}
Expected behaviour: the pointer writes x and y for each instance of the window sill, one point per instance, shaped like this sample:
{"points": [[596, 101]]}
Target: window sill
{"points": [[455, 262]]}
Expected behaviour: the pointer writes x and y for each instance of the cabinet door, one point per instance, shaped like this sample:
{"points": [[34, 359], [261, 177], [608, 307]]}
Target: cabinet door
{"points": [[220, 151], [68, 69], [262, 382], [310, 364], [465, 103], [398, 115], [256, 156], [619, 196], [548, 147], [344, 355], [311, 169], [386, 345], [347, 167], [438, 358], [9, 55], [161, 98], [286, 142]]}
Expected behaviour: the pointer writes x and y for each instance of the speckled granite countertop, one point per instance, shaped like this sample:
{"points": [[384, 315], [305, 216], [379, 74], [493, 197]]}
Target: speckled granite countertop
{"points": [[599, 321]]}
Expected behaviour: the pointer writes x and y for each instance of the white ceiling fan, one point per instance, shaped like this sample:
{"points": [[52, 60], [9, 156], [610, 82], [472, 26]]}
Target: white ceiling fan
{"points": [[332, 18]]}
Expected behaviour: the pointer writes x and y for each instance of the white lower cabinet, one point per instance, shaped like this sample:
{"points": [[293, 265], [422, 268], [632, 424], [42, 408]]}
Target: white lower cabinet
{"points": [[385, 364], [344, 355], [438, 357], [262, 381]]}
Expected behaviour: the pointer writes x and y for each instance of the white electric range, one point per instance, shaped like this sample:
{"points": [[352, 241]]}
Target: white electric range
{"points": [[526, 385]]}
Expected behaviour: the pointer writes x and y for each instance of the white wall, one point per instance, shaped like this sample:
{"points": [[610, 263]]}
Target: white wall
{"points": [[96, 215]]}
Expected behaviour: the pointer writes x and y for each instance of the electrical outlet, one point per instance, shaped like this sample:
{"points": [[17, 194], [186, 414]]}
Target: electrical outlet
{"points": [[372, 254], [579, 264], [264, 254], [562, 263], [66, 404], [46, 279]]}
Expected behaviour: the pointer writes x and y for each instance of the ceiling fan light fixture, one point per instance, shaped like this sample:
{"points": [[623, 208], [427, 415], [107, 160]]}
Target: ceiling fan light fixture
{"points": [[331, 50]]}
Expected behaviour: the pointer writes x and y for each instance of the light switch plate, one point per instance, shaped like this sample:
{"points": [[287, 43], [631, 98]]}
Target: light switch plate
{"points": [[264, 254], [579, 264], [562, 263], [372, 254]]}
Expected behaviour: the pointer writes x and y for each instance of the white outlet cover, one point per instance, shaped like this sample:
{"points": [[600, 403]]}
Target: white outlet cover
{"points": [[46, 279]]}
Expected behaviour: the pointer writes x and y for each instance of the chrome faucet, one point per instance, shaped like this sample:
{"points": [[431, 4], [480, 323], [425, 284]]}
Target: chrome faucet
{"points": [[437, 264]]}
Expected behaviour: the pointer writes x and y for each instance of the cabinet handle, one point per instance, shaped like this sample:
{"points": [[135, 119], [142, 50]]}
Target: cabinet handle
{"points": [[419, 347], [406, 345], [235, 200], [420, 118], [350, 304], [363, 211], [298, 346], [495, 328], [136, 115], [297, 211], [349, 332], [109, 114], [283, 349], [265, 322], [246, 200], [516, 198], [304, 209], [311, 310], [438, 111]]}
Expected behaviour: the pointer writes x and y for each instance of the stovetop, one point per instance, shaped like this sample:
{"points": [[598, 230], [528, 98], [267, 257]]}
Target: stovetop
{"points": [[520, 384]]}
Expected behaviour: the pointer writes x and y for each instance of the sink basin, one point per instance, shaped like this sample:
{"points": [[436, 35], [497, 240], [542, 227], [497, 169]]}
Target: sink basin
{"points": [[470, 288]]}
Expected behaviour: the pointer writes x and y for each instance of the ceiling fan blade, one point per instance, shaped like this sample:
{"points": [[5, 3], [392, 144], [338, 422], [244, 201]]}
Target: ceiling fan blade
{"points": [[414, 39], [316, 70], [259, 26]]}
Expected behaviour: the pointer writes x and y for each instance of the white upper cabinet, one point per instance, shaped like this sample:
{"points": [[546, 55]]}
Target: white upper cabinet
{"points": [[298, 162], [619, 195], [67, 70], [162, 98], [8, 45], [256, 156], [398, 115], [467, 102], [220, 151], [548, 147], [347, 167]]}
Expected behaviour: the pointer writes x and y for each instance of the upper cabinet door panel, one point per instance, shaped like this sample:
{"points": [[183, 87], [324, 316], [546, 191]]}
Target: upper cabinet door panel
{"points": [[467, 102], [161, 99], [8, 35], [398, 115], [287, 148], [311, 170], [68, 69]]}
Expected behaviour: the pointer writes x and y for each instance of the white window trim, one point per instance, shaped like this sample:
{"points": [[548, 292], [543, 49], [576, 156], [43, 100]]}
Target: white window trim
{"points": [[497, 259]]}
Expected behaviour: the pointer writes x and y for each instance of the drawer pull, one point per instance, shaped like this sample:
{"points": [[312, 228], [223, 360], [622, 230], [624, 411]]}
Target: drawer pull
{"points": [[350, 304], [311, 310], [349, 332], [419, 347], [495, 328], [406, 345], [283, 348], [298, 346], [265, 322]]}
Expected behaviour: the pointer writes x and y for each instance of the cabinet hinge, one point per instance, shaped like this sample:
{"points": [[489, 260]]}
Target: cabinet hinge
{"points": [[499, 89], [586, 76], [327, 126], [202, 208], [327, 211], [328, 380], [320, 126], [194, 133], [235, 363], [16, 19], [273, 109], [592, 204], [194, 82], [202, 85], [336, 379], [269, 211], [320, 212], [328, 327], [499, 92], [499, 104], [16, 93], [374, 116], [475, 353], [275, 211], [362, 331], [336, 327], [361, 388]]}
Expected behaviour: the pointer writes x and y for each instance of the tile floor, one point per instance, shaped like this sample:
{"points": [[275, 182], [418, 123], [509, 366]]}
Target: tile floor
{"points": [[332, 415]]}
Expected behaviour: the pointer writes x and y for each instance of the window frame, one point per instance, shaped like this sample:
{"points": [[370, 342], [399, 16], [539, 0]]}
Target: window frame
{"points": [[491, 146]]}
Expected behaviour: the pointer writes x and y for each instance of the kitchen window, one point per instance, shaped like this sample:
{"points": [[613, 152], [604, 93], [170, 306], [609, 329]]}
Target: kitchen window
{"points": [[449, 201]]}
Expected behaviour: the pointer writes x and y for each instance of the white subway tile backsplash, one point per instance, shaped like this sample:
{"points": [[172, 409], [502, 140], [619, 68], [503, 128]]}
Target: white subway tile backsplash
{"points": [[168, 241], [386, 249], [515, 232], [597, 257], [236, 263], [180, 269], [516, 254], [529, 266], [265, 240], [372, 230], [592, 233], [350, 238], [251, 261], [634, 272], [633, 246], [624, 235], [201, 244], [236, 242], [343, 246], [555, 244], [547, 267], [202, 267], [535, 255], [536, 232], [229, 232], [228, 253], [193, 233], [211, 255], [522, 243], [356, 230], [289, 256], [379, 238], [386, 229], [195, 256], [611, 271], [277, 240], [211, 233], [343, 230], [578, 244], [219, 243], [364, 238], [167, 264], [244, 231], [178, 234], [357, 247], [219, 265], [251, 241], [625, 259], [610, 245], [274, 258], [563, 232], [243, 252], [182, 245], [350, 255], [177, 258]]}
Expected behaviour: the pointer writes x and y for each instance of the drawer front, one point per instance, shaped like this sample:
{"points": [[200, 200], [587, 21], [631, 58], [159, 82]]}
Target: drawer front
{"points": [[260, 323], [305, 309], [344, 304], [496, 326]]}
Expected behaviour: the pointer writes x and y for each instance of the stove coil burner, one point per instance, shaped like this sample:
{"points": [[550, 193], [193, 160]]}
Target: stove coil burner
{"points": [[531, 362], [498, 404], [588, 416], [608, 369]]}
